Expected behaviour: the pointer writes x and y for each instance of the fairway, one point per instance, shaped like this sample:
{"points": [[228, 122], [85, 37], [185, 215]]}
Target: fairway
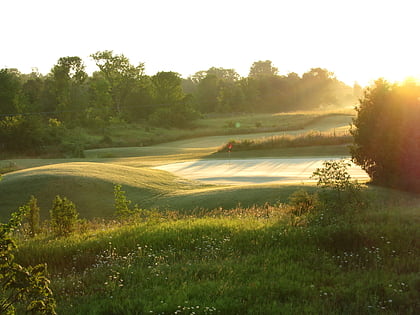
{"points": [[255, 171]]}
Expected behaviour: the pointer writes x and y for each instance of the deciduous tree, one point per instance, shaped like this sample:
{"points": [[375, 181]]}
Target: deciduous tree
{"points": [[121, 75], [386, 134]]}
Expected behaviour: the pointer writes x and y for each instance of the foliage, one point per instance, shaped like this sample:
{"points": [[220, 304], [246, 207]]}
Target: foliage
{"points": [[22, 134], [262, 68], [9, 91], [120, 74], [387, 135], [29, 134], [32, 216], [121, 203], [333, 175], [122, 90], [63, 216], [68, 76], [21, 285], [167, 88], [180, 115], [302, 205], [303, 202], [341, 194]]}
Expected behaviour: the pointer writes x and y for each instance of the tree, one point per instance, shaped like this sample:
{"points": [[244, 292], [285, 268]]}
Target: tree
{"points": [[167, 88], [229, 75], [63, 216], [262, 69], [207, 93], [386, 134], [9, 91], [121, 75], [317, 88], [218, 90], [23, 134], [32, 91], [68, 77]]}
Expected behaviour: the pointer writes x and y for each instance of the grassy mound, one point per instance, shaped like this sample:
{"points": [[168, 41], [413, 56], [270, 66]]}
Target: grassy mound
{"points": [[89, 185]]}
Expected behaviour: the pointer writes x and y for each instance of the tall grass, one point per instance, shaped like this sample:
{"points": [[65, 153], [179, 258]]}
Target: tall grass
{"points": [[241, 261], [313, 138]]}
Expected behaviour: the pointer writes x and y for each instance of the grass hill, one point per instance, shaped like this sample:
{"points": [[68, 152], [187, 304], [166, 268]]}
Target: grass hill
{"points": [[89, 185]]}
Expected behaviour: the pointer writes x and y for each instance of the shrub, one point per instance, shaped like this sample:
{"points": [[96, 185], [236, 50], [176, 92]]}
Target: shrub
{"points": [[340, 194], [333, 175], [32, 217], [302, 202], [63, 216], [20, 285], [121, 203]]}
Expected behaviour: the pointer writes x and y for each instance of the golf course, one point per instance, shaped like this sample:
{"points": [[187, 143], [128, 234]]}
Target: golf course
{"points": [[192, 226], [164, 175]]}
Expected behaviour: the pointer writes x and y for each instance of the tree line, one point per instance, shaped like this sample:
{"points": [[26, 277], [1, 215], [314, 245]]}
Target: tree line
{"points": [[121, 89]]}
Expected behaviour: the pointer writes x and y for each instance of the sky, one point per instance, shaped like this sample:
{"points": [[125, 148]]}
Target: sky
{"points": [[359, 40]]}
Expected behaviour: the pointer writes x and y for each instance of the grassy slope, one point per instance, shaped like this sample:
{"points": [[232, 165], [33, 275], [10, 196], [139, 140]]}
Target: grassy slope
{"points": [[249, 262], [89, 185]]}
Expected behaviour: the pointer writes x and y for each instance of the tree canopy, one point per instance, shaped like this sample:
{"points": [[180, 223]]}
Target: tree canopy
{"points": [[387, 134]]}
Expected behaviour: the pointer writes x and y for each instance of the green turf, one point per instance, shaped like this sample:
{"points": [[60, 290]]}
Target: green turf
{"points": [[88, 185]]}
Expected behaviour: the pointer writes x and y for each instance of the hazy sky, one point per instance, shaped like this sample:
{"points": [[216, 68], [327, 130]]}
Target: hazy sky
{"points": [[358, 40]]}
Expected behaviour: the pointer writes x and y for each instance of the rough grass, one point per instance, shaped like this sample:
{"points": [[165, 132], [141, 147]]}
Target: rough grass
{"points": [[244, 261], [290, 141]]}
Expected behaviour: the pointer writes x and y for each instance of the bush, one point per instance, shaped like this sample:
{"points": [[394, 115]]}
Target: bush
{"points": [[340, 194], [121, 203], [179, 115], [63, 216], [20, 286], [333, 175], [32, 217], [302, 202]]}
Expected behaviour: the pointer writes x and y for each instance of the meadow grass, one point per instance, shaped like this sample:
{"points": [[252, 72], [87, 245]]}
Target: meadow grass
{"points": [[242, 261], [291, 141]]}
